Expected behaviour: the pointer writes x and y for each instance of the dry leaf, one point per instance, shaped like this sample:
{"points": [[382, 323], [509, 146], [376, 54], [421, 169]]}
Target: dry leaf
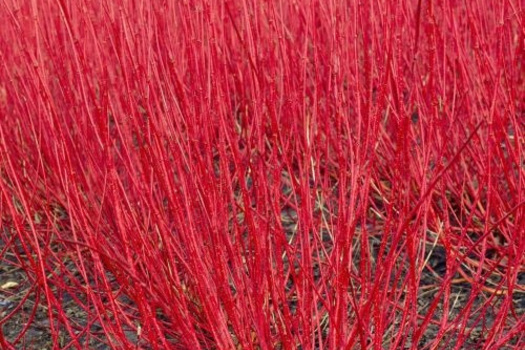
{"points": [[9, 285]]}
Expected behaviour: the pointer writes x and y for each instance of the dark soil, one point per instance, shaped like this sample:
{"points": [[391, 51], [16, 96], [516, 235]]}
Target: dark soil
{"points": [[25, 315], [19, 299]]}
